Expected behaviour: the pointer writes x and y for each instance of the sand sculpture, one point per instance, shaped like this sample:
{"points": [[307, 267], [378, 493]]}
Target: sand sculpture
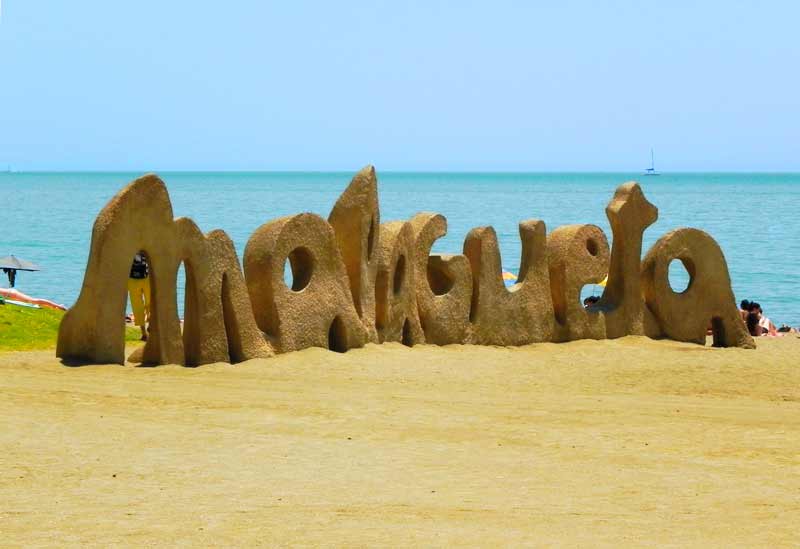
{"points": [[356, 281], [684, 316], [443, 284], [219, 323], [577, 255], [629, 214], [317, 310], [527, 304], [355, 219], [396, 317]]}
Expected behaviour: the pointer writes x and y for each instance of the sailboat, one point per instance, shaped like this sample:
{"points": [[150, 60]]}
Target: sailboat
{"points": [[652, 169]]}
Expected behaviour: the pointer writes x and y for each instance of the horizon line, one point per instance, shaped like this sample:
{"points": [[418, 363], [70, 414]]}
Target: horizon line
{"points": [[396, 171]]}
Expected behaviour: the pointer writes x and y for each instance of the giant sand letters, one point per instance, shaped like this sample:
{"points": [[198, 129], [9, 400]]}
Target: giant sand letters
{"points": [[357, 281], [317, 311], [576, 255], [355, 219], [510, 316], [219, 323], [443, 284]]}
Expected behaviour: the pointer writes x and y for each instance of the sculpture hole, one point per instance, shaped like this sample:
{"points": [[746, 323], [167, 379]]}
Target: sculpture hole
{"points": [[381, 293], [300, 267], [232, 329], [592, 247], [371, 239], [407, 339], [191, 307], [718, 332], [337, 336], [439, 278], [679, 275], [399, 274]]}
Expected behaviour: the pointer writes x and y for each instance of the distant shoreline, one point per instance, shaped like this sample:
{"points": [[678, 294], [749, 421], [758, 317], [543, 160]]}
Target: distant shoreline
{"points": [[393, 172]]}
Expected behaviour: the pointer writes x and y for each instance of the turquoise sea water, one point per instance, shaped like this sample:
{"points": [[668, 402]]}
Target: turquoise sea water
{"points": [[47, 217]]}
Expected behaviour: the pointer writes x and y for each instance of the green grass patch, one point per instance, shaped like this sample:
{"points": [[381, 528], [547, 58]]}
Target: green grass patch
{"points": [[26, 329]]}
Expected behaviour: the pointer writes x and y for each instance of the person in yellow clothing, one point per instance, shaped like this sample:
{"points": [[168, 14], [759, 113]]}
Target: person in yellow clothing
{"points": [[139, 290]]}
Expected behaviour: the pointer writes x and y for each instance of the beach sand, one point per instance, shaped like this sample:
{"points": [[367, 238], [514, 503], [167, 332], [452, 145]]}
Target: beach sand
{"points": [[624, 442]]}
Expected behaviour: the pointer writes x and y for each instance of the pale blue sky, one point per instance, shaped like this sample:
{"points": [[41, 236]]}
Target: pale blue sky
{"points": [[158, 85]]}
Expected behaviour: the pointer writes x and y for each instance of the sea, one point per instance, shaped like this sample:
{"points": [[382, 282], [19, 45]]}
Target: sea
{"points": [[47, 217]]}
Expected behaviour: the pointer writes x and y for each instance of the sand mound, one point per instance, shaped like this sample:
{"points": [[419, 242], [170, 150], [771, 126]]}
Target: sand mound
{"points": [[588, 443]]}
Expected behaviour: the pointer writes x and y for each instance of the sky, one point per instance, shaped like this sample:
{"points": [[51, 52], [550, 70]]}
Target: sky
{"points": [[440, 86]]}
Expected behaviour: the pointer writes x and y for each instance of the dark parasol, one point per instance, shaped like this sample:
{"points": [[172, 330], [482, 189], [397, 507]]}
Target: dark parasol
{"points": [[11, 265]]}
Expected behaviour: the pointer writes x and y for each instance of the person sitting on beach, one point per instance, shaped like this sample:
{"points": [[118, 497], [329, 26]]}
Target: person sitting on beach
{"points": [[744, 309], [752, 325], [591, 300], [139, 290], [766, 324]]}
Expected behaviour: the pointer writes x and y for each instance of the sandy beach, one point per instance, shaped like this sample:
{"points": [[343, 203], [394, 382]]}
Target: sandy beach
{"points": [[630, 441]]}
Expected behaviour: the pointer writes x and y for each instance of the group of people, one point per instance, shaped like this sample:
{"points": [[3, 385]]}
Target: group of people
{"points": [[757, 323]]}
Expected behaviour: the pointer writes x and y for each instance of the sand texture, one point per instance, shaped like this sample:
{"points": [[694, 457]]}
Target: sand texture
{"points": [[592, 443]]}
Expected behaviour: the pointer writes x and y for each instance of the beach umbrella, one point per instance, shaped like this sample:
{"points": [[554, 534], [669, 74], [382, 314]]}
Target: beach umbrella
{"points": [[509, 278], [11, 265]]}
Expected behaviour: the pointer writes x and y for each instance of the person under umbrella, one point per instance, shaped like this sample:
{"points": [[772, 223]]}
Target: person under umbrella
{"points": [[12, 276], [11, 265]]}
